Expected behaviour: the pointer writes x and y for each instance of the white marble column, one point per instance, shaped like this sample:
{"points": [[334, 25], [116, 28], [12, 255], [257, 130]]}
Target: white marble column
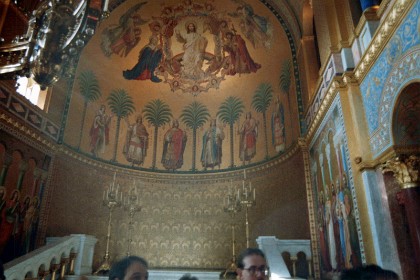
{"points": [[384, 242]]}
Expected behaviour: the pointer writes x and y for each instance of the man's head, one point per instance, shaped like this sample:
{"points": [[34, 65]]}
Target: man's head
{"points": [[191, 27], [132, 267], [252, 265]]}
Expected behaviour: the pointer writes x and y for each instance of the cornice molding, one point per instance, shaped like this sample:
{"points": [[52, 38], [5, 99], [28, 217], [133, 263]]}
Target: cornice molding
{"points": [[30, 136], [256, 171], [325, 105]]}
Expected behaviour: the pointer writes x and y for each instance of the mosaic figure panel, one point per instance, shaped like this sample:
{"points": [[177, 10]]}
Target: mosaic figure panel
{"points": [[337, 215], [22, 183]]}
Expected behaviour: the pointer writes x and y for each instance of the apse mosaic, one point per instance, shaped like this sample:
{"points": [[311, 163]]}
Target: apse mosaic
{"points": [[185, 86], [397, 64], [337, 219], [202, 63]]}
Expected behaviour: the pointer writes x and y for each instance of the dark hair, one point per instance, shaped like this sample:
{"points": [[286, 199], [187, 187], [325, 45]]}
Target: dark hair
{"points": [[248, 252], [368, 272], [188, 277], [119, 268], [2, 277]]}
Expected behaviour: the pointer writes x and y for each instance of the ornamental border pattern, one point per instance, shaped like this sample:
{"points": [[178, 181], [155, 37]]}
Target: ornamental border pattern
{"points": [[404, 72]]}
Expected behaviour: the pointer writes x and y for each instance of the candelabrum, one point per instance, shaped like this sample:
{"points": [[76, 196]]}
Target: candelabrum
{"points": [[232, 205], [112, 199], [246, 197], [131, 204]]}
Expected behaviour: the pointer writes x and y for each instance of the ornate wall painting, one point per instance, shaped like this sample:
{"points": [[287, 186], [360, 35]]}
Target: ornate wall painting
{"points": [[21, 192], [396, 66], [202, 63], [140, 65], [339, 233]]}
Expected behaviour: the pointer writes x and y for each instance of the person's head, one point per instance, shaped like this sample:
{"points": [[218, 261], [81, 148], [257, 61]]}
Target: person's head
{"points": [[188, 277], [153, 40], [368, 272], [229, 35], [252, 265], [175, 124], [191, 27], [139, 119], [128, 268]]}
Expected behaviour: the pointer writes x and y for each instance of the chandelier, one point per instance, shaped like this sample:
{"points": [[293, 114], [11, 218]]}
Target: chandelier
{"points": [[57, 32]]}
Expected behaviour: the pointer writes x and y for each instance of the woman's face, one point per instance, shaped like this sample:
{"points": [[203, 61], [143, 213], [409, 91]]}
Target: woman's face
{"points": [[136, 271]]}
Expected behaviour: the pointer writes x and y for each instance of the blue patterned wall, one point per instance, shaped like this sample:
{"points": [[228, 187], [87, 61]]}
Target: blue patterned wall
{"points": [[396, 66]]}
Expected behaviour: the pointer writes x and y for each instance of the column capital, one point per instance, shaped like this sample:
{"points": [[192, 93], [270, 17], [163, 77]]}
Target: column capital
{"points": [[405, 170]]}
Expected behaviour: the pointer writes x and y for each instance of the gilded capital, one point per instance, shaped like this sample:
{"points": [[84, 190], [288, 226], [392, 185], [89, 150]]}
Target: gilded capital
{"points": [[405, 170]]}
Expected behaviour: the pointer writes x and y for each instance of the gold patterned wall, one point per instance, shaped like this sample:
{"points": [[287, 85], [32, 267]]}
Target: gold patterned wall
{"points": [[182, 223]]}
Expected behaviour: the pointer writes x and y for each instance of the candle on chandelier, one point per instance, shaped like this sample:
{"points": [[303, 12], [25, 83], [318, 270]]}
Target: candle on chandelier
{"points": [[106, 5]]}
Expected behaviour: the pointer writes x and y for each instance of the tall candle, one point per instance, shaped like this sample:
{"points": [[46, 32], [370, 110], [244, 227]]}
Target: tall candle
{"points": [[106, 5]]}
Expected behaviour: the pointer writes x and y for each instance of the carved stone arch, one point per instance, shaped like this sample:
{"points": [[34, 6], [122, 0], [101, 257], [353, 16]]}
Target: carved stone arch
{"points": [[53, 260], [63, 255], [43, 268], [406, 116], [30, 275], [302, 269], [405, 71]]}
